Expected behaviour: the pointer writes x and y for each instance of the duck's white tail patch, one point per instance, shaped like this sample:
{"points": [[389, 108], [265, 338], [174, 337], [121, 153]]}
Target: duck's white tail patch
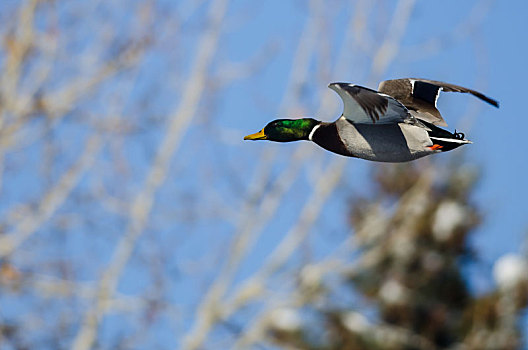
{"points": [[449, 140]]}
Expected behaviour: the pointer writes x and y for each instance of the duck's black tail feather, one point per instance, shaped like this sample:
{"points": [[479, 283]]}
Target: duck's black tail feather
{"points": [[444, 138]]}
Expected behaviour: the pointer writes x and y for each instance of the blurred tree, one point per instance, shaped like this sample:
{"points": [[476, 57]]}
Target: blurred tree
{"points": [[413, 237]]}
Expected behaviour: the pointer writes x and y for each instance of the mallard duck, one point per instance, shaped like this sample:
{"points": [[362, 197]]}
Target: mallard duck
{"points": [[397, 123]]}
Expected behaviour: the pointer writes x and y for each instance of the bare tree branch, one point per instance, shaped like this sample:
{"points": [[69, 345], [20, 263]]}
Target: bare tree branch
{"points": [[142, 204]]}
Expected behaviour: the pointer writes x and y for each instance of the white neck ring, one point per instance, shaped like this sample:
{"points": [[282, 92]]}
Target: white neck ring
{"points": [[313, 131]]}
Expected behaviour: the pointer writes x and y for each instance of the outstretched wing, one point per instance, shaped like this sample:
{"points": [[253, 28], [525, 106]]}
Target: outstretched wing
{"points": [[420, 96], [363, 105]]}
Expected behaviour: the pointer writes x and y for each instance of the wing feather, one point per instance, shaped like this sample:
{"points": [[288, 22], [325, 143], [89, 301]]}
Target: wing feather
{"points": [[456, 88], [364, 105], [420, 96]]}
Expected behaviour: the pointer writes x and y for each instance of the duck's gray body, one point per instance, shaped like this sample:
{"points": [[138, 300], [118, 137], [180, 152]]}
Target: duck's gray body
{"points": [[395, 142], [394, 124]]}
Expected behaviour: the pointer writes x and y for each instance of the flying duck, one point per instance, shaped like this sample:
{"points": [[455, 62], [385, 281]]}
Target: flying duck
{"points": [[397, 123]]}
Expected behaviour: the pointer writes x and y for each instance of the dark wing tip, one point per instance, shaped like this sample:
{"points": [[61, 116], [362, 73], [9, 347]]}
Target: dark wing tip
{"points": [[494, 102], [486, 98]]}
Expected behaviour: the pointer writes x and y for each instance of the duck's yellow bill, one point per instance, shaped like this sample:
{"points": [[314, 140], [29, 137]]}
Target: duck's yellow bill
{"points": [[257, 136]]}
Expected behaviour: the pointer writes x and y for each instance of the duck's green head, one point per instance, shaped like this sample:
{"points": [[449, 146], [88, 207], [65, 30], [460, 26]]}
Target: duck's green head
{"points": [[285, 130]]}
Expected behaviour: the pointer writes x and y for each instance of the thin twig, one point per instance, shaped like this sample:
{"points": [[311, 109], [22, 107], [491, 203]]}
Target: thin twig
{"points": [[52, 200]]}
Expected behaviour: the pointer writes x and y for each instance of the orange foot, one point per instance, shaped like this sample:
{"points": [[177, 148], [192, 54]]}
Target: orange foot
{"points": [[435, 147]]}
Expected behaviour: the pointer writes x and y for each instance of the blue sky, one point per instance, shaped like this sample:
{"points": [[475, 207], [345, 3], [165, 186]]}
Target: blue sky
{"points": [[490, 58], [500, 135], [487, 53], [211, 172]]}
